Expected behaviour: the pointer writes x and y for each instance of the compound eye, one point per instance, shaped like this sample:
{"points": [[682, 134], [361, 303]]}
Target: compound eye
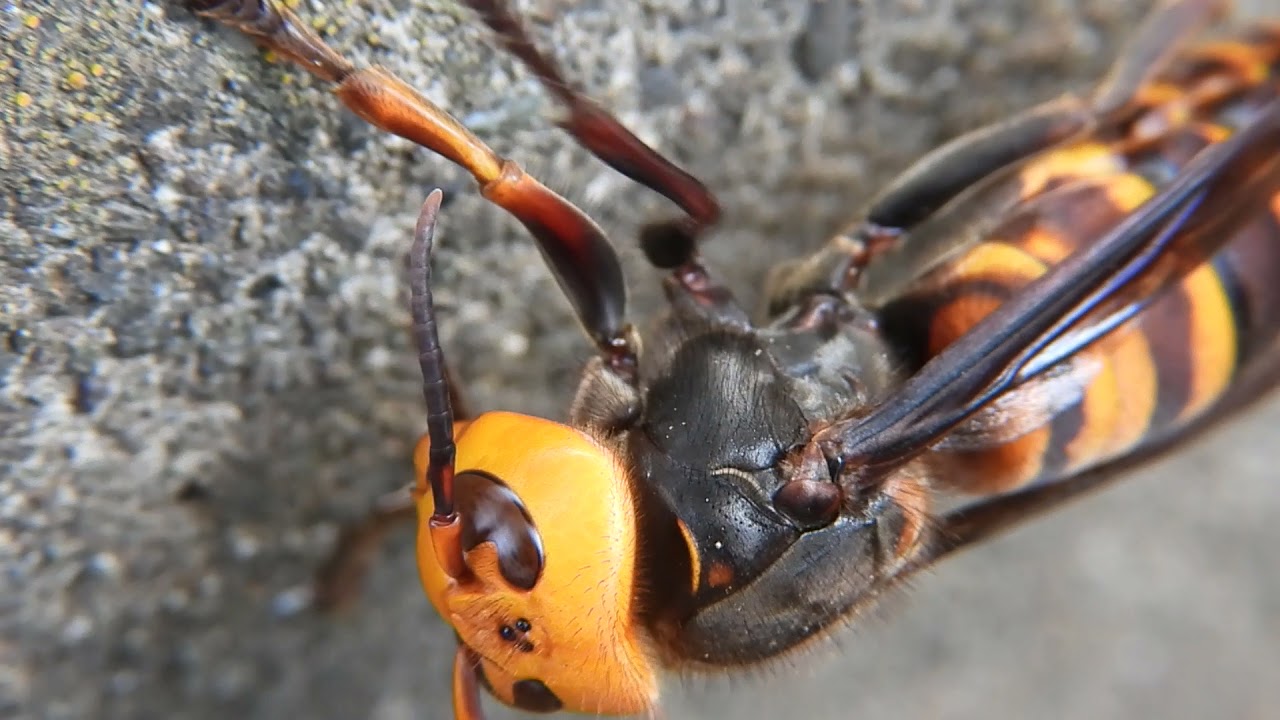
{"points": [[492, 513], [535, 696]]}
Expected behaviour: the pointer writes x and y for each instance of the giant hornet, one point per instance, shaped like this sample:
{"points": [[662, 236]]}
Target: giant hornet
{"points": [[1022, 315]]}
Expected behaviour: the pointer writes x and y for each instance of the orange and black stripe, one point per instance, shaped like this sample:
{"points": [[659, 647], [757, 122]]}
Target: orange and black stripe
{"points": [[1170, 363]]}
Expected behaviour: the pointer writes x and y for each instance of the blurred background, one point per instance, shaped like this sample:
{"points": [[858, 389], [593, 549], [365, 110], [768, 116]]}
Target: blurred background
{"points": [[205, 369]]}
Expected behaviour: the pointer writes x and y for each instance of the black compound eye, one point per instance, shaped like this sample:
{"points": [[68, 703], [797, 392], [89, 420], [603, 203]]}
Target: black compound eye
{"points": [[534, 696], [506, 632], [523, 625], [492, 513]]}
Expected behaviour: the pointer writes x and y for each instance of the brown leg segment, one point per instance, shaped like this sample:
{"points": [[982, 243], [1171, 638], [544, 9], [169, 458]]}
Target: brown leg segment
{"points": [[583, 261], [340, 580], [597, 130], [670, 245], [466, 686]]}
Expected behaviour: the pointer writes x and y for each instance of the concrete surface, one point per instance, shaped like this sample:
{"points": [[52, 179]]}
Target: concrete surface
{"points": [[204, 368]]}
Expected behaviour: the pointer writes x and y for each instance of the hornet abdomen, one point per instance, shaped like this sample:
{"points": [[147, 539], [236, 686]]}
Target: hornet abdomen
{"points": [[1178, 352]]}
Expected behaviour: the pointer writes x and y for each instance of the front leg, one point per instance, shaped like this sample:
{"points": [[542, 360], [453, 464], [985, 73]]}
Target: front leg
{"points": [[340, 580]]}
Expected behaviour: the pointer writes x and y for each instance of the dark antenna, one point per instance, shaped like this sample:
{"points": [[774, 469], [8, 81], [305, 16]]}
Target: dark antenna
{"points": [[445, 528]]}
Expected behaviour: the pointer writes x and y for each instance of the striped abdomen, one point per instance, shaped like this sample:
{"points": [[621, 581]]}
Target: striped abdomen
{"points": [[1170, 363]]}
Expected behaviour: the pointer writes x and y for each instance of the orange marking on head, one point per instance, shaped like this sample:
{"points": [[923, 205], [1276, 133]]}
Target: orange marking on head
{"points": [[695, 557], [1213, 337], [582, 640]]}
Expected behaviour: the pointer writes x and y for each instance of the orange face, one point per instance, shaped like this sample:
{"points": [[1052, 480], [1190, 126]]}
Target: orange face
{"points": [[569, 641]]}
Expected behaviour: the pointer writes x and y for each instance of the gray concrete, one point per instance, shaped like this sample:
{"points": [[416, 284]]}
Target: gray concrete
{"points": [[204, 368]]}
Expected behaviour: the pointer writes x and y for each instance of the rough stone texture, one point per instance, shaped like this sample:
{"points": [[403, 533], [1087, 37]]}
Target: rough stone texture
{"points": [[204, 368]]}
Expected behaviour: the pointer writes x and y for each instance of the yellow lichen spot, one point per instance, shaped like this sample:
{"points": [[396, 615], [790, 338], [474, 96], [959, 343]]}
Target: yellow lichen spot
{"points": [[292, 4], [23, 99], [73, 161], [286, 79], [91, 116], [271, 56], [373, 39], [97, 70], [77, 80], [31, 21]]}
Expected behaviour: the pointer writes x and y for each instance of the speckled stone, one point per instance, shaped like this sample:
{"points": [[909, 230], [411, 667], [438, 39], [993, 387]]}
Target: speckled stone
{"points": [[205, 369]]}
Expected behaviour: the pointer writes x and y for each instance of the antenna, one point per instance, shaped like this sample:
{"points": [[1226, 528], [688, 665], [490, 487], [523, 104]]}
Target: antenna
{"points": [[446, 530]]}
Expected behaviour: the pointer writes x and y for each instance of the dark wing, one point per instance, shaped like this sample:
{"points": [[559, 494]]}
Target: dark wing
{"points": [[974, 523], [954, 196], [1073, 304]]}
